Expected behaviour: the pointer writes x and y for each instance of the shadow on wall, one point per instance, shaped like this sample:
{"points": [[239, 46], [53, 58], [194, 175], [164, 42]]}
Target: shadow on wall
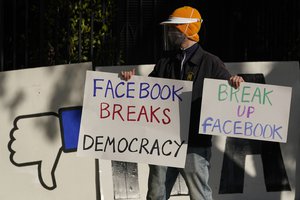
{"points": [[275, 175], [278, 159], [32, 104], [233, 171], [285, 75]]}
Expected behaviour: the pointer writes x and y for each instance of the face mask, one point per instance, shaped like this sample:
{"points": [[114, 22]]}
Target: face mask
{"points": [[173, 38]]}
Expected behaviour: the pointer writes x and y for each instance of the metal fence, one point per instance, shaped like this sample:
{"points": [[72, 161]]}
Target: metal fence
{"points": [[233, 30], [25, 28]]}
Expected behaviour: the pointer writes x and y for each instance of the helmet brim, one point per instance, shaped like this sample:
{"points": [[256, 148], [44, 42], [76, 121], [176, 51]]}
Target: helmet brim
{"points": [[181, 20]]}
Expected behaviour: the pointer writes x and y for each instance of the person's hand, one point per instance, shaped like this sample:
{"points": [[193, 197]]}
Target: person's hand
{"points": [[126, 75], [235, 81]]}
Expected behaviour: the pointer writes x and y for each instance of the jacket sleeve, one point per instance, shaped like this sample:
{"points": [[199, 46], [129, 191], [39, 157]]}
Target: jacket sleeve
{"points": [[219, 70], [159, 68], [154, 72]]}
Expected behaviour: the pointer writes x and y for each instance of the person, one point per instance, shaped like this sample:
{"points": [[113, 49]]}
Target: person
{"points": [[187, 61]]}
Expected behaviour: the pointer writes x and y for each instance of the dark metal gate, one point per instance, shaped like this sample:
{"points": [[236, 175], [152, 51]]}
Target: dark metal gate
{"points": [[233, 30]]}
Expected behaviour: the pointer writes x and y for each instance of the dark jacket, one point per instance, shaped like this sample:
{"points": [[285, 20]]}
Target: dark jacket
{"points": [[200, 65]]}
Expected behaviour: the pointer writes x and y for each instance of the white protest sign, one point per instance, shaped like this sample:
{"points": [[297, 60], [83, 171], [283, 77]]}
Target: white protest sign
{"points": [[253, 111], [142, 120]]}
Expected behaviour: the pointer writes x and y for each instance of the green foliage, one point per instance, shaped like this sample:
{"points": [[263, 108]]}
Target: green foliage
{"points": [[80, 31]]}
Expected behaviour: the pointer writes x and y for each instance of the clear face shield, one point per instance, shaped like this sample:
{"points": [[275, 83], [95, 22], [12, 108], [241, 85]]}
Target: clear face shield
{"points": [[172, 38]]}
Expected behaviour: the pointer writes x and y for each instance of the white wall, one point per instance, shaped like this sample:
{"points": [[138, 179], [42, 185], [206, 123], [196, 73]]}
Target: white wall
{"points": [[39, 169]]}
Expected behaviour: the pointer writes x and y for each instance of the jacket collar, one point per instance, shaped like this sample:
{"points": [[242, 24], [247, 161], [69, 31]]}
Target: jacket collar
{"points": [[196, 54]]}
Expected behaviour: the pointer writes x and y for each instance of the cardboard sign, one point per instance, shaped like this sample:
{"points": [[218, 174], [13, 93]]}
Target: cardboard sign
{"points": [[253, 111], [141, 120]]}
